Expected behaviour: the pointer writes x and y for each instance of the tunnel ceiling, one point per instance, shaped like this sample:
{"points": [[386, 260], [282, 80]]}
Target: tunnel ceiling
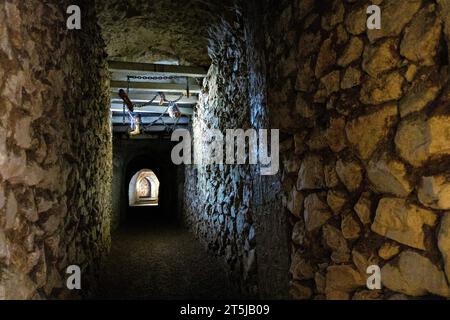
{"points": [[153, 31]]}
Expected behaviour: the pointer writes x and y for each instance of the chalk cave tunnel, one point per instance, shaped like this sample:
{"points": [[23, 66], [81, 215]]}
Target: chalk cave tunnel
{"points": [[364, 150]]}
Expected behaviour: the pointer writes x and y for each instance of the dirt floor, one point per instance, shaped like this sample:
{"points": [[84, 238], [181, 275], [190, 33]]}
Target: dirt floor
{"points": [[161, 260]]}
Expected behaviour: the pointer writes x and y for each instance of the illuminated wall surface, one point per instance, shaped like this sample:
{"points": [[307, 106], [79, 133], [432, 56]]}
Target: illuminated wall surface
{"points": [[361, 101]]}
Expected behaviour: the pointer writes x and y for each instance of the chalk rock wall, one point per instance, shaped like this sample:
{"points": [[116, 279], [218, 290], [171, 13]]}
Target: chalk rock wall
{"points": [[366, 148], [151, 31], [218, 197], [55, 150]]}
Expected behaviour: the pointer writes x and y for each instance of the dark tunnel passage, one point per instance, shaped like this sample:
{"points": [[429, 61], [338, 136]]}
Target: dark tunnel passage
{"points": [[153, 255], [361, 152], [130, 156], [170, 178]]}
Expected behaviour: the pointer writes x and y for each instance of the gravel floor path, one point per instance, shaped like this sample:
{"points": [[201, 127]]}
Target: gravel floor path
{"points": [[161, 261]]}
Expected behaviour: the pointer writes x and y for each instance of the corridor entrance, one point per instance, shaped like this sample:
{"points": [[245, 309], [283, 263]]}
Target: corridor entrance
{"points": [[143, 189]]}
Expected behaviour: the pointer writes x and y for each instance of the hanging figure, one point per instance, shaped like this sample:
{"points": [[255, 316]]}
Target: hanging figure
{"points": [[173, 110], [135, 122]]}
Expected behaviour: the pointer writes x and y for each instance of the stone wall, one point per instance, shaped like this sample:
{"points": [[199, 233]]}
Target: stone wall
{"points": [[157, 30], [367, 144], [55, 149], [270, 220], [219, 202], [218, 197]]}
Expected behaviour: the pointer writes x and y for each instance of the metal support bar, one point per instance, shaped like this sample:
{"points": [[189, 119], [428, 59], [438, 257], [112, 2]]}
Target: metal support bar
{"points": [[155, 87], [149, 119], [154, 128], [144, 97], [188, 71], [115, 108]]}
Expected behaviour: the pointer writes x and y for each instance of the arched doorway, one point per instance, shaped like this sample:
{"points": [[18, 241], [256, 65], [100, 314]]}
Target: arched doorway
{"points": [[143, 189]]}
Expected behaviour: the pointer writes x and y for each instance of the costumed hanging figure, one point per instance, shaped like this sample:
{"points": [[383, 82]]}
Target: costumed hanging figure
{"points": [[135, 121], [174, 112], [172, 108]]}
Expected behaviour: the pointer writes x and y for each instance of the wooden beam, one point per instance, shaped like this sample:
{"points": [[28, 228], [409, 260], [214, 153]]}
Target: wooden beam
{"points": [[173, 70], [156, 87]]}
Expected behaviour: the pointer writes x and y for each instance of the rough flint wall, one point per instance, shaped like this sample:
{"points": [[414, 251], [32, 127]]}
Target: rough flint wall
{"points": [[270, 220], [55, 149], [219, 203], [366, 155]]}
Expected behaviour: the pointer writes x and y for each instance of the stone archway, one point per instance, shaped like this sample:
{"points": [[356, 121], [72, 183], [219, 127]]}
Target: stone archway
{"points": [[143, 189]]}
